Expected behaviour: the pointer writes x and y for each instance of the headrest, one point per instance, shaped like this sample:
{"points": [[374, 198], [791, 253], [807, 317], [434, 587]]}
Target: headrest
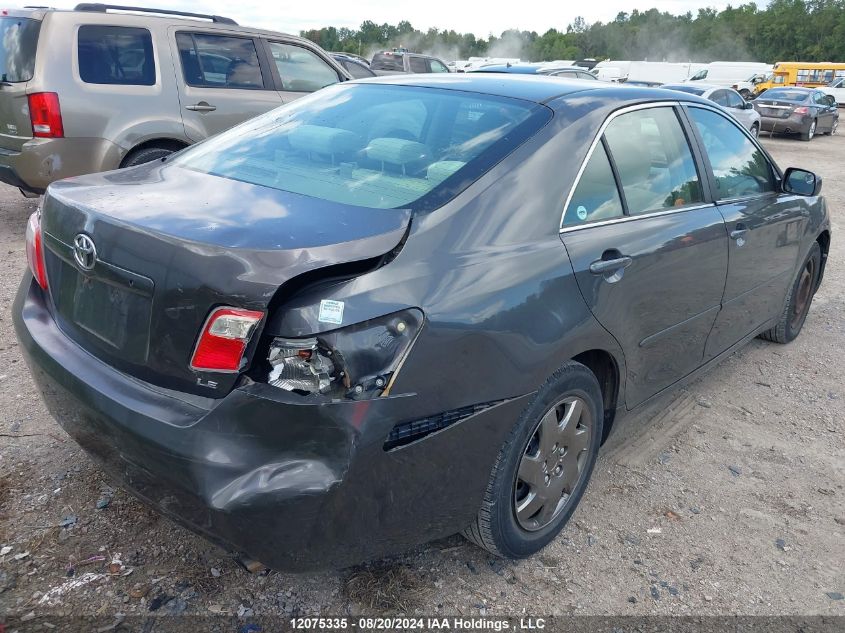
{"points": [[396, 151], [442, 169], [323, 140]]}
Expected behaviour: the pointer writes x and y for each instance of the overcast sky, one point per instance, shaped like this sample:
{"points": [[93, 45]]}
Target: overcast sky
{"points": [[471, 16]]}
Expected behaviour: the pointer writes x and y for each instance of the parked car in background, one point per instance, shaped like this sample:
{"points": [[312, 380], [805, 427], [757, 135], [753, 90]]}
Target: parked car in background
{"points": [[400, 61], [98, 88], [728, 98], [836, 89], [804, 74], [736, 75], [571, 72], [425, 303], [356, 68], [804, 111]]}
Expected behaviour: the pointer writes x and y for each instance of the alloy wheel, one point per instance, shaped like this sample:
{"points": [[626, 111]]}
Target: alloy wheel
{"points": [[812, 131], [552, 464], [804, 294]]}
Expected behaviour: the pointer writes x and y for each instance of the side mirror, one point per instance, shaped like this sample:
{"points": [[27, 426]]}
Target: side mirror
{"points": [[748, 105], [831, 100], [801, 182]]}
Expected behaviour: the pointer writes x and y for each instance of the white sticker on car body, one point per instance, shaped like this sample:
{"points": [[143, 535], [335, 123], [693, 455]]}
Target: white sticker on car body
{"points": [[331, 311]]}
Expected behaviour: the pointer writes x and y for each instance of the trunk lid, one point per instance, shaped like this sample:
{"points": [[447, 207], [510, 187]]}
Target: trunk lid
{"points": [[776, 108], [171, 244], [18, 43]]}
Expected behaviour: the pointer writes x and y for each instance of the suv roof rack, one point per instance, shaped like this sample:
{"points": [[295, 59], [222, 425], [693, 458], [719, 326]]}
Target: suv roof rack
{"points": [[96, 7]]}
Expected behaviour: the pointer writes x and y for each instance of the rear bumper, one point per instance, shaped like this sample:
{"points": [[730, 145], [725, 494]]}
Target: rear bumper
{"points": [[44, 160], [294, 483], [791, 125]]}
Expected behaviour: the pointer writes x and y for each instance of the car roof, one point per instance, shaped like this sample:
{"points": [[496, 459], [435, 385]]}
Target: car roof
{"points": [[537, 88]]}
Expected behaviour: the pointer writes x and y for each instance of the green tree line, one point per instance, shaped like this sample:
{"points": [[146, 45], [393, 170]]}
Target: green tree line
{"points": [[785, 30]]}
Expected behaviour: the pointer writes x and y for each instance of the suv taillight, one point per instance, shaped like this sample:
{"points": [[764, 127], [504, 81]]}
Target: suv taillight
{"points": [[224, 339], [46, 115], [35, 249]]}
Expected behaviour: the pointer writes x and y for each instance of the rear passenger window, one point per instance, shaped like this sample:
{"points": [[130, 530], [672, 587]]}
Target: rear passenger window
{"points": [[653, 160], [218, 61], [116, 55], [596, 196], [418, 65], [301, 70], [740, 167]]}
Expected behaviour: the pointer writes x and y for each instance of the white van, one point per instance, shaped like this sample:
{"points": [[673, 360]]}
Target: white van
{"points": [[738, 75], [650, 72]]}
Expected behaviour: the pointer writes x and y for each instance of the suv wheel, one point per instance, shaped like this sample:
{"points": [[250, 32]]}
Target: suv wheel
{"points": [[543, 467], [145, 155]]}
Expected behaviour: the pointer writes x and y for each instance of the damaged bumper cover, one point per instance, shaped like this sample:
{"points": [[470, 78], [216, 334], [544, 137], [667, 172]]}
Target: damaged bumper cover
{"points": [[298, 483]]}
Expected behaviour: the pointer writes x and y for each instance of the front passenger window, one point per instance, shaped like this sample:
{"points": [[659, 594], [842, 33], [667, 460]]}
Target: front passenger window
{"points": [[301, 70], [740, 167]]}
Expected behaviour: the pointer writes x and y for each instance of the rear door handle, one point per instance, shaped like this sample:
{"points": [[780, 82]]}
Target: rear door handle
{"points": [[603, 266], [202, 106]]}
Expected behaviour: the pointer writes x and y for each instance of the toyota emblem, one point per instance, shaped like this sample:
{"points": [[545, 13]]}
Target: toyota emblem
{"points": [[84, 252]]}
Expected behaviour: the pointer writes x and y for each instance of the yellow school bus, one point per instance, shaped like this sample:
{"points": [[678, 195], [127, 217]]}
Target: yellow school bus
{"points": [[809, 74]]}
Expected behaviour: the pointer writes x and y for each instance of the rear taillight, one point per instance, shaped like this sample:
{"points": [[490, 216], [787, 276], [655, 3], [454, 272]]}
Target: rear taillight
{"points": [[46, 115], [35, 249], [224, 339], [802, 110]]}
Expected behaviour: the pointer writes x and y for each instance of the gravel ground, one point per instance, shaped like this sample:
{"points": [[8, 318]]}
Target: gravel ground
{"points": [[727, 498]]}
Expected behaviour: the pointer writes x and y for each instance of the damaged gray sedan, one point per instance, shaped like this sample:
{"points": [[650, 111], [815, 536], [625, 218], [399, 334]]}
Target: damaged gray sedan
{"points": [[407, 307]]}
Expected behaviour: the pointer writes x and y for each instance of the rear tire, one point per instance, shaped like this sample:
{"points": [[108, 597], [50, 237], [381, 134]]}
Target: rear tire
{"points": [[810, 133], [799, 300], [543, 467], [145, 155]]}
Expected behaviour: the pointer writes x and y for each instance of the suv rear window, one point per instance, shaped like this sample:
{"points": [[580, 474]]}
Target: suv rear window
{"points": [[372, 145], [387, 61], [118, 55], [18, 41]]}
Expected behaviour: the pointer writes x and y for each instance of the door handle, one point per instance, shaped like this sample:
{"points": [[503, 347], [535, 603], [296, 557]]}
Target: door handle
{"points": [[202, 106], [739, 231], [604, 266]]}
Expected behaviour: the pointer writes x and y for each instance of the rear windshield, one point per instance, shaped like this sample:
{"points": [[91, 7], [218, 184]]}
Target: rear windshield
{"points": [[387, 61], [18, 41], [372, 145], [785, 94]]}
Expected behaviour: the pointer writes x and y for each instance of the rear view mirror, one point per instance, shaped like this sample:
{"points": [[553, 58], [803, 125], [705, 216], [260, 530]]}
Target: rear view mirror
{"points": [[801, 182]]}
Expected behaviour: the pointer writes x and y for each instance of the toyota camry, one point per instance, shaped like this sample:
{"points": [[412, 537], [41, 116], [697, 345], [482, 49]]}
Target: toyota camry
{"points": [[407, 307]]}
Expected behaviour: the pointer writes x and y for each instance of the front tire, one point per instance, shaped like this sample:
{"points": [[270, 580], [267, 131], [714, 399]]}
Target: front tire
{"points": [[810, 133], [799, 300], [543, 467], [755, 130]]}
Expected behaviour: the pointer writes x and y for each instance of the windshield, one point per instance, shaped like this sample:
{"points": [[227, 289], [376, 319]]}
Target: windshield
{"points": [[18, 40], [785, 94], [372, 145]]}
